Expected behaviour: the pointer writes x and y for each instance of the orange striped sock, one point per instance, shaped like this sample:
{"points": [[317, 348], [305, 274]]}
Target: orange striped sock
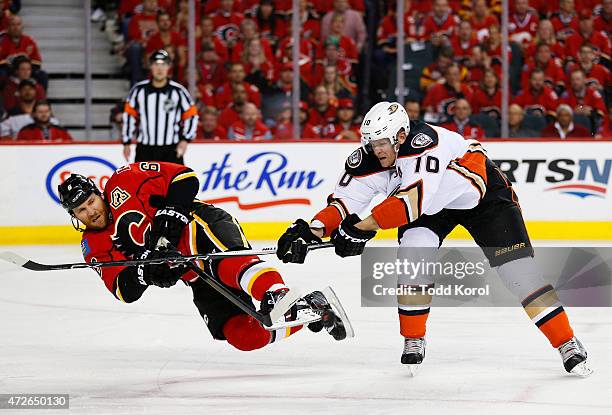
{"points": [[413, 322], [556, 327]]}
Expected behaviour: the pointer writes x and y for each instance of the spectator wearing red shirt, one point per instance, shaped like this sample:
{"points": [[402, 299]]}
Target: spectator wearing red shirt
{"points": [[564, 127], [181, 18], [345, 127], [587, 34], [322, 113], [16, 43], [310, 24], [538, 99], [493, 46], [227, 23], [259, 69], [523, 23], [165, 37], [440, 99], [546, 34], [478, 64], [482, 19], [284, 127], [142, 26], [332, 58], [440, 24], [597, 75], [487, 98], [582, 99], [208, 36], [603, 22], [209, 129], [337, 87], [346, 46], [22, 69], [42, 129], [386, 34], [210, 70], [248, 32], [565, 21], [354, 27], [249, 127], [463, 42], [231, 113], [461, 124], [553, 72], [236, 76], [273, 28]]}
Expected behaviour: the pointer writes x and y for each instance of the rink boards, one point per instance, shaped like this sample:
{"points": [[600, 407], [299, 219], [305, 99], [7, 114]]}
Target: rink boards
{"points": [[562, 186]]}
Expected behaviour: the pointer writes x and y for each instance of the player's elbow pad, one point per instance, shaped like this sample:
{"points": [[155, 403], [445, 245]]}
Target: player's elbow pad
{"points": [[127, 286], [391, 213]]}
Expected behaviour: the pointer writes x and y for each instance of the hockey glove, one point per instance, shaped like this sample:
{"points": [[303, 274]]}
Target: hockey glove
{"points": [[348, 240], [169, 223], [293, 244], [161, 275]]}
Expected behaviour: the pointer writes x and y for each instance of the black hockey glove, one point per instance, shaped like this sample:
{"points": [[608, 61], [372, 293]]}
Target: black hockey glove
{"points": [[348, 240], [293, 244], [161, 275], [168, 223]]}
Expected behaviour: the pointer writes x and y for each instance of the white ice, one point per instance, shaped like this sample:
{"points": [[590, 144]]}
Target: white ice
{"points": [[62, 332]]}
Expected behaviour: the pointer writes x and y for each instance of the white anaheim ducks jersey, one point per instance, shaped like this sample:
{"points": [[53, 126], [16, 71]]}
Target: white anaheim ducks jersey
{"points": [[435, 169]]}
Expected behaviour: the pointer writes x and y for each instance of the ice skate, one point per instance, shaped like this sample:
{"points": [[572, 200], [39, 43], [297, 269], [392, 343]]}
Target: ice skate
{"points": [[574, 357], [413, 354], [333, 317]]}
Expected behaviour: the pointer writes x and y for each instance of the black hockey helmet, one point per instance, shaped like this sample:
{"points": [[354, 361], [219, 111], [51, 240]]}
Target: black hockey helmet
{"points": [[75, 190], [160, 55]]}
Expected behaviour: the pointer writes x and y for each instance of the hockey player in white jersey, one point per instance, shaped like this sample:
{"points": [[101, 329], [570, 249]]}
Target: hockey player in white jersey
{"points": [[433, 180]]}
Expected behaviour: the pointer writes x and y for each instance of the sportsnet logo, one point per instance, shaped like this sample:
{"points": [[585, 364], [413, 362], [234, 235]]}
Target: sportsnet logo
{"points": [[582, 178]]}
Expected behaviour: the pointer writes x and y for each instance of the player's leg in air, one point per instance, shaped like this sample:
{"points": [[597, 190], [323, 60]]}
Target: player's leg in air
{"points": [[496, 222], [250, 278]]}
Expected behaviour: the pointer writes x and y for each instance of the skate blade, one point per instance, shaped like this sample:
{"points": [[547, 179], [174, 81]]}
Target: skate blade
{"points": [[582, 370], [284, 304], [304, 317], [336, 305], [413, 369]]}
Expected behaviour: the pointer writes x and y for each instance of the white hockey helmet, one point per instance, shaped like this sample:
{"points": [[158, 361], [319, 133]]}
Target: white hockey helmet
{"points": [[384, 120]]}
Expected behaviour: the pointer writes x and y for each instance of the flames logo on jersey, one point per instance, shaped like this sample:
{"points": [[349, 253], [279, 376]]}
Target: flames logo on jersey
{"points": [[118, 197], [131, 232]]}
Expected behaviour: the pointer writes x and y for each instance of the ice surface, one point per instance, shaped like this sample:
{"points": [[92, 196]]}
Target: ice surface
{"points": [[62, 332]]}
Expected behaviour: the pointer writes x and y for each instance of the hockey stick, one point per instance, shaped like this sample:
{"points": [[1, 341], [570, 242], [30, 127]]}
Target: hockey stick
{"points": [[267, 320], [37, 266]]}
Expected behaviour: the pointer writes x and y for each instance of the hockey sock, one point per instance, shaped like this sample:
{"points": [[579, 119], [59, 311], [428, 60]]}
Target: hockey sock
{"points": [[523, 278], [250, 274], [545, 310], [413, 310], [245, 333]]}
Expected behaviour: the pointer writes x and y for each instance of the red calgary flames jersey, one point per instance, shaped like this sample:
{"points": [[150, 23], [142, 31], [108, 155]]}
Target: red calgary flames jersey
{"points": [[129, 193]]}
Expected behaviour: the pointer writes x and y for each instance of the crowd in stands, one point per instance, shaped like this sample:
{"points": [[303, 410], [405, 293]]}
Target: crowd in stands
{"points": [[560, 60], [25, 115]]}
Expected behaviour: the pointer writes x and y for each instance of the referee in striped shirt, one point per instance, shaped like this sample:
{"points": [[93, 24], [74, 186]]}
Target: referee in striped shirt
{"points": [[160, 114]]}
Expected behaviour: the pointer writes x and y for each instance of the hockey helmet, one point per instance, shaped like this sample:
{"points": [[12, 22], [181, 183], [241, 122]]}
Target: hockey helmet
{"points": [[384, 120], [75, 190], [160, 55]]}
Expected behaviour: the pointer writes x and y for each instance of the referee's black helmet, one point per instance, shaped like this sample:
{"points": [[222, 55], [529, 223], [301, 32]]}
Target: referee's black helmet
{"points": [[160, 55]]}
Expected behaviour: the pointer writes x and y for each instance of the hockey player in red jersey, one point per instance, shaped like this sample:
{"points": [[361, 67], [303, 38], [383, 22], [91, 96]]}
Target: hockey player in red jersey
{"points": [[433, 180], [146, 203]]}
